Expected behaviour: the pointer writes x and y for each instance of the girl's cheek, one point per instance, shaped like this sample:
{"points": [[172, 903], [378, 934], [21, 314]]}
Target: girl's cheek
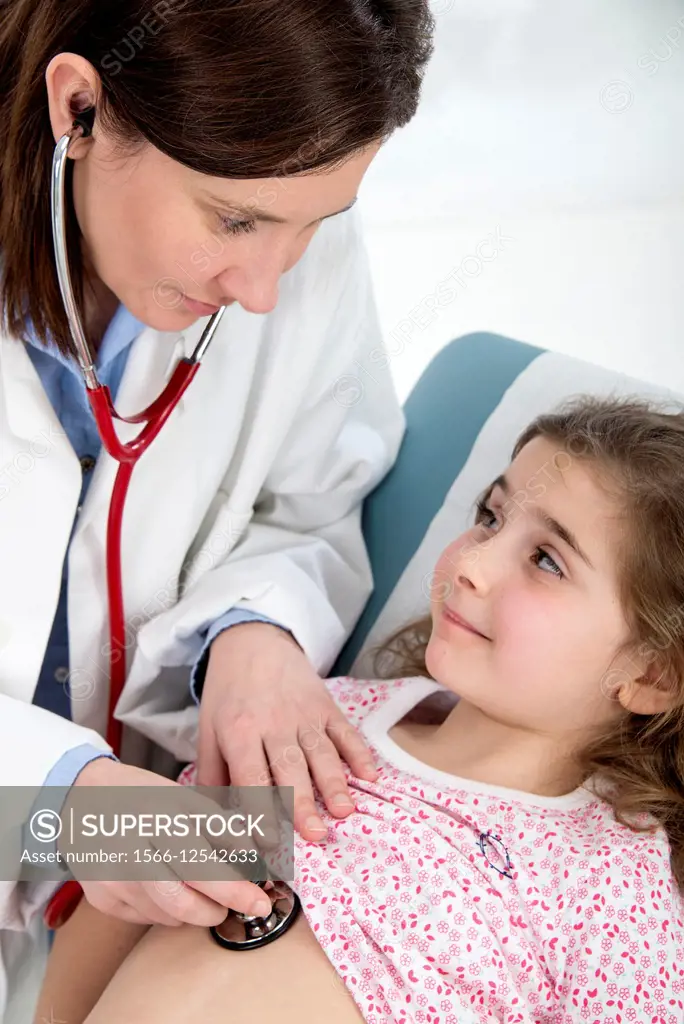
{"points": [[518, 622]]}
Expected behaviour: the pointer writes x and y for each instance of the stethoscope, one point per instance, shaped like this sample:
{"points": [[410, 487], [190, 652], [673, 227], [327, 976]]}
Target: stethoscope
{"points": [[238, 931]]}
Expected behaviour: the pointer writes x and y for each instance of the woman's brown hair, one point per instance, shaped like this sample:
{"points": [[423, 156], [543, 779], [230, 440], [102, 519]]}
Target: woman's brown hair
{"points": [[635, 451], [237, 89]]}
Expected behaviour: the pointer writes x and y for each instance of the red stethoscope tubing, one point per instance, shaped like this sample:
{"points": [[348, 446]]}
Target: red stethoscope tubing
{"points": [[66, 899], [127, 455]]}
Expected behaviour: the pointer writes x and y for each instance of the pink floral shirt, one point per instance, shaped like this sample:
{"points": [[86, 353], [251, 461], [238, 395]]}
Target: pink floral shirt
{"points": [[446, 901]]}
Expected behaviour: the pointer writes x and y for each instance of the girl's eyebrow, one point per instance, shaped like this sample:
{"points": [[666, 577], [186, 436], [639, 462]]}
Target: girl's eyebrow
{"points": [[253, 213], [549, 522]]}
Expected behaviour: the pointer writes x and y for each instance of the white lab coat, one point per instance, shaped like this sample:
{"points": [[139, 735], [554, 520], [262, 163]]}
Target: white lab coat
{"points": [[250, 495]]}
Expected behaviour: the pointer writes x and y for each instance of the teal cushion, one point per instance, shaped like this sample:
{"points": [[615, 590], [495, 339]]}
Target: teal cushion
{"points": [[445, 412]]}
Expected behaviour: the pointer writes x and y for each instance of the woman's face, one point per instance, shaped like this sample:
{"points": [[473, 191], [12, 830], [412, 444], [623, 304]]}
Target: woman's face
{"points": [[158, 235], [550, 618]]}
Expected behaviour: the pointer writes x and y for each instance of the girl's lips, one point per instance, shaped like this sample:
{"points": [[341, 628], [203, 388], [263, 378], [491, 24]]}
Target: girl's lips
{"points": [[456, 620]]}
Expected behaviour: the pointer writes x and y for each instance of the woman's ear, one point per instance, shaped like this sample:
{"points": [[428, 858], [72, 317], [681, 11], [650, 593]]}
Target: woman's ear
{"points": [[72, 85], [650, 694]]}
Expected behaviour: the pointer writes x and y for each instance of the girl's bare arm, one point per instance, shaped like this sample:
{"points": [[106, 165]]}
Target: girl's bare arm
{"points": [[180, 976], [86, 953]]}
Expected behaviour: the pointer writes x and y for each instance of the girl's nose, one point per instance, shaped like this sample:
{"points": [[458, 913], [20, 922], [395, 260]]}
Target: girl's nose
{"points": [[477, 566]]}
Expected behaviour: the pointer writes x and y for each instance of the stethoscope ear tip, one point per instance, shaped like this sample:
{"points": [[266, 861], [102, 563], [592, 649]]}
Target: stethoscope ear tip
{"points": [[85, 121]]}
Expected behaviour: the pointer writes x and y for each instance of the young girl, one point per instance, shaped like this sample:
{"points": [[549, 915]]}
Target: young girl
{"points": [[520, 859]]}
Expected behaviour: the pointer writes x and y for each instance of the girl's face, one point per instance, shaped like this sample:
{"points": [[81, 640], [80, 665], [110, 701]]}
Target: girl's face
{"points": [[157, 234], [537, 577]]}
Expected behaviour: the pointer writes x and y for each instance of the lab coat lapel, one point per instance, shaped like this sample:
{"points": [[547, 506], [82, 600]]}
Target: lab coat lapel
{"points": [[27, 408], [39, 486]]}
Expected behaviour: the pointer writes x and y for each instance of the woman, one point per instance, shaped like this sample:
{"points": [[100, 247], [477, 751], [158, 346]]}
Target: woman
{"points": [[229, 140]]}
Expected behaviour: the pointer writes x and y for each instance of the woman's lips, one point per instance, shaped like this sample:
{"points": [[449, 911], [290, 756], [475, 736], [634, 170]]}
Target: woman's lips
{"points": [[201, 308], [456, 620]]}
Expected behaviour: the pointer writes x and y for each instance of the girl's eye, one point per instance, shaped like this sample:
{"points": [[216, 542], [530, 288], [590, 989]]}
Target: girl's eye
{"points": [[484, 517], [237, 227], [539, 554], [484, 513]]}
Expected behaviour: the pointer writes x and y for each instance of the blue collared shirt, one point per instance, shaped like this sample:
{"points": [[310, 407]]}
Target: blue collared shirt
{"points": [[64, 386]]}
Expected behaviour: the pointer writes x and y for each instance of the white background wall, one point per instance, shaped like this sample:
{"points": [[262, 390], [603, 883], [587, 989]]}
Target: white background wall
{"points": [[558, 127]]}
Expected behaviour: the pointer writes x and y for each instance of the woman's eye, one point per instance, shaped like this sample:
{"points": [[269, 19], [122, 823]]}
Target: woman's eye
{"points": [[237, 227], [487, 518]]}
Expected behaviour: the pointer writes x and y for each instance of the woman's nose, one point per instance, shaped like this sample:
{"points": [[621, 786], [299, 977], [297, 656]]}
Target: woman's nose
{"points": [[255, 290], [254, 283], [254, 280]]}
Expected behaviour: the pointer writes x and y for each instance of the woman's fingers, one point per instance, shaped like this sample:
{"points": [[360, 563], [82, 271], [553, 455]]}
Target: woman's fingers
{"points": [[172, 902], [293, 770], [293, 756], [241, 747], [328, 774], [212, 769], [151, 908], [352, 747], [250, 766], [245, 897], [127, 900]]}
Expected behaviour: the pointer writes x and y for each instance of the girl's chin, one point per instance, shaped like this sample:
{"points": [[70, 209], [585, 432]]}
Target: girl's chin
{"points": [[439, 658], [446, 663]]}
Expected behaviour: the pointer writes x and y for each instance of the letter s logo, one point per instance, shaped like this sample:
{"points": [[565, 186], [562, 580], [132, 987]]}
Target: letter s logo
{"points": [[45, 826]]}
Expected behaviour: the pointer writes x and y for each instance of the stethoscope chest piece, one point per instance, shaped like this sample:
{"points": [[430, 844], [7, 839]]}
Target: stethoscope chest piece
{"points": [[239, 931]]}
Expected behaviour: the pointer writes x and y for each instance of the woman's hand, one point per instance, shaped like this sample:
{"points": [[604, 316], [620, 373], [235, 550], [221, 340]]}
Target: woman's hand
{"points": [[267, 717], [176, 900]]}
